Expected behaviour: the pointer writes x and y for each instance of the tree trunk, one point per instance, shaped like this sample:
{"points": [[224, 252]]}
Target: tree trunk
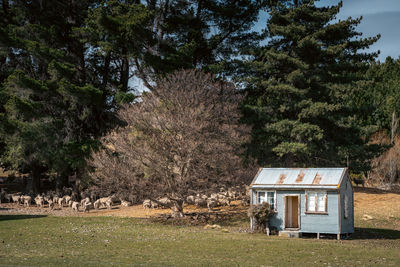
{"points": [[177, 209], [395, 125], [6, 6], [61, 181], [78, 175], [106, 70], [124, 78], [82, 67], [35, 174]]}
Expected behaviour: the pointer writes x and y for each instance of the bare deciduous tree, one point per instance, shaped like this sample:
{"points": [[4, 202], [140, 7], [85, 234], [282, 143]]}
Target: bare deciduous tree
{"points": [[181, 138]]}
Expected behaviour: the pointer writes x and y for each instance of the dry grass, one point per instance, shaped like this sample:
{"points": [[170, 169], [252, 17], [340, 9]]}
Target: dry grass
{"points": [[384, 208], [136, 211]]}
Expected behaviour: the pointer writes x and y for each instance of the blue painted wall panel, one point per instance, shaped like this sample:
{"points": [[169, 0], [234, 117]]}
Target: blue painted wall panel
{"points": [[321, 223], [347, 224], [311, 223]]}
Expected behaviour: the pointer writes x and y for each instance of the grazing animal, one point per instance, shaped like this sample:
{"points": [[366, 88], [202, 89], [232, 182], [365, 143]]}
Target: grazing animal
{"points": [[85, 200], [51, 204], [8, 198], [200, 202], [214, 195], [212, 203], [103, 201], [16, 198], [87, 206], [26, 200], [67, 199], [39, 201], [109, 203], [75, 206], [154, 205], [61, 202], [190, 200], [147, 204], [165, 202], [225, 201], [97, 204], [126, 203]]}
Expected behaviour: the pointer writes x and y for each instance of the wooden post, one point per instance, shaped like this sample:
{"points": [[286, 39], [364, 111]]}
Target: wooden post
{"points": [[317, 235]]}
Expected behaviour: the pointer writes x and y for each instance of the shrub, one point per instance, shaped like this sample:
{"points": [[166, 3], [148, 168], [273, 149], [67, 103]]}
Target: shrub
{"points": [[261, 214]]}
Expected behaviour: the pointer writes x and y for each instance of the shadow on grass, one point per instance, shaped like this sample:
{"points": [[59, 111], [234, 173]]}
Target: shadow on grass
{"points": [[223, 218], [19, 217], [375, 233], [373, 190]]}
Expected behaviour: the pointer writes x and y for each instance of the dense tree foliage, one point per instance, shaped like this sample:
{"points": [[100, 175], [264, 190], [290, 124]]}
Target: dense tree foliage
{"points": [[379, 97], [205, 34], [52, 114], [300, 87], [152, 38]]}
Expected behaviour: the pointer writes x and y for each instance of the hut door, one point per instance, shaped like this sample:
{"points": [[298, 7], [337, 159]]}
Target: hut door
{"points": [[292, 212]]}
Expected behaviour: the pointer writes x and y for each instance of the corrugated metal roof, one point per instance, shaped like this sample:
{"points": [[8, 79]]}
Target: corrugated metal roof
{"points": [[299, 177]]}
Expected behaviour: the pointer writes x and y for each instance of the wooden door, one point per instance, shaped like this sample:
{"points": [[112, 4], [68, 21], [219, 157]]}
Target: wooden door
{"points": [[291, 212]]}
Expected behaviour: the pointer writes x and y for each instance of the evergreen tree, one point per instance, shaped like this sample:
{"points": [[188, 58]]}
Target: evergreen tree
{"points": [[300, 86], [203, 34], [379, 98], [118, 33], [52, 115]]}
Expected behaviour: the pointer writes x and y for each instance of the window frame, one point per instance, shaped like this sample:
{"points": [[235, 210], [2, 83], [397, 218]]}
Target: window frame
{"points": [[266, 196], [316, 192]]}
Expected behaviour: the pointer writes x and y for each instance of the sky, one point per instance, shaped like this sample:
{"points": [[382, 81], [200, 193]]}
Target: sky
{"points": [[379, 17]]}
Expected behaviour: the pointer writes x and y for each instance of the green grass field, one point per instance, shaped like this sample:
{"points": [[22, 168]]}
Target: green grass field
{"points": [[103, 241]]}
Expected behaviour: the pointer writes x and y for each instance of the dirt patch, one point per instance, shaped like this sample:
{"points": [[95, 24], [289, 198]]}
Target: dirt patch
{"points": [[136, 211]]}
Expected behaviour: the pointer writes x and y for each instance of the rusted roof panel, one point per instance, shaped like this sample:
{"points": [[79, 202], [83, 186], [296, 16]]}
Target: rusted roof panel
{"points": [[282, 178], [317, 179], [299, 177]]}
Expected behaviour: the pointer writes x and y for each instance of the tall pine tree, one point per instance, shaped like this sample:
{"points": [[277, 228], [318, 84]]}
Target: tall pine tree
{"points": [[299, 87], [52, 114], [201, 34]]}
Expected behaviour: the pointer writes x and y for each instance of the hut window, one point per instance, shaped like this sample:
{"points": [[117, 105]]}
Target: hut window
{"points": [[316, 201], [268, 197]]}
